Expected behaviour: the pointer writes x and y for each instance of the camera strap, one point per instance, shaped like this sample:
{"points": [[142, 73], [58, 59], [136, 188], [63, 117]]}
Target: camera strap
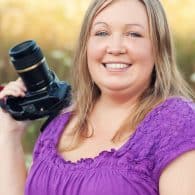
{"points": [[49, 119]]}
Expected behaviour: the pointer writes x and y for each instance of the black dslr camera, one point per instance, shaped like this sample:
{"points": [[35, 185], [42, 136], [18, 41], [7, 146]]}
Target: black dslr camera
{"points": [[46, 94]]}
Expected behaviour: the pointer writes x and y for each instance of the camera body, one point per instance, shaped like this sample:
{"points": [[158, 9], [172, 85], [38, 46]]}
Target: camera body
{"points": [[46, 95], [45, 102]]}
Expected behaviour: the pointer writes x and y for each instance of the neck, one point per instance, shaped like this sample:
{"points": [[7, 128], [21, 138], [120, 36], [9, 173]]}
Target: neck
{"points": [[110, 112], [111, 107], [116, 101]]}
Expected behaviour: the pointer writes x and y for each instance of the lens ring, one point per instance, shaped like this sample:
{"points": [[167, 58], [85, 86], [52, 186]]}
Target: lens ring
{"points": [[22, 49], [31, 67], [25, 55]]}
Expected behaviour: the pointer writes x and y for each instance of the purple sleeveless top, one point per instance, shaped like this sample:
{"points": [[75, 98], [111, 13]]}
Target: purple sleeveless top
{"points": [[166, 132]]}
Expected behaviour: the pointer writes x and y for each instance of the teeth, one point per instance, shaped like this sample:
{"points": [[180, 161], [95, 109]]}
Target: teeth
{"points": [[116, 66]]}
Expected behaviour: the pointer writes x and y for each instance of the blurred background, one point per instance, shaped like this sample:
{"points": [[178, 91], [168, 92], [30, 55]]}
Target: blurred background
{"points": [[55, 25]]}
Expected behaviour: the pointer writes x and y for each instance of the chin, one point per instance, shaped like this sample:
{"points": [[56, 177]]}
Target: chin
{"points": [[115, 89]]}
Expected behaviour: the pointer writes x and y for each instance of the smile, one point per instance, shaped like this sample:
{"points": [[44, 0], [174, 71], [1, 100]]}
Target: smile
{"points": [[116, 66]]}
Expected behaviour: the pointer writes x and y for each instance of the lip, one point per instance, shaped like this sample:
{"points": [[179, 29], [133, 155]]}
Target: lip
{"points": [[115, 70], [116, 62], [128, 64]]}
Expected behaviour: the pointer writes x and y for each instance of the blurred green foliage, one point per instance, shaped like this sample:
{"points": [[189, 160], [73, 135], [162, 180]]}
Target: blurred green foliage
{"points": [[55, 26]]}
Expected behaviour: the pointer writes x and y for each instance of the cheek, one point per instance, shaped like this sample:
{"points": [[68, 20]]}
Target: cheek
{"points": [[144, 57], [147, 52], [95, 51]]}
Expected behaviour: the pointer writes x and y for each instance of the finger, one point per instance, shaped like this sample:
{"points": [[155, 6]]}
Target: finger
{"points": [[11, 92], [15, 85], [21, 84], [2, 95], [18, 83], [14, 88]]}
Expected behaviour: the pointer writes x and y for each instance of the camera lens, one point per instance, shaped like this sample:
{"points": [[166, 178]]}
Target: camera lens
{"points": [[31, 65]]}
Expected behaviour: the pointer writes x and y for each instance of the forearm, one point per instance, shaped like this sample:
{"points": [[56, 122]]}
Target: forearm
{"points": [[12, 166]]}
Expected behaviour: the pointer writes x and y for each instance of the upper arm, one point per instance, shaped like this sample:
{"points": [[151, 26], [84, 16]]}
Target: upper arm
{"points": [[178, 178]]}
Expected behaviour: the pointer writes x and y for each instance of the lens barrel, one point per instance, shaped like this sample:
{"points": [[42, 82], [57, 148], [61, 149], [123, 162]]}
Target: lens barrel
{"points": [[30, 64]]}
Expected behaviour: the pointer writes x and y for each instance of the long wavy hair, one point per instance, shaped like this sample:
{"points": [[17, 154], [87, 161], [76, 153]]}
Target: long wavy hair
{"points": [[166, 79]]}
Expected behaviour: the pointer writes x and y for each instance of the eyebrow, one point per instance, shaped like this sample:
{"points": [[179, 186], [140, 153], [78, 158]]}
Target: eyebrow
{"points": [[127, 25], [134, 24], [97, 23]]}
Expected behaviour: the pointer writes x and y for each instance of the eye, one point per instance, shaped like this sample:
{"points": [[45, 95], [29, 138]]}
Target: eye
{"points": [[133, 34], [101, 33]]}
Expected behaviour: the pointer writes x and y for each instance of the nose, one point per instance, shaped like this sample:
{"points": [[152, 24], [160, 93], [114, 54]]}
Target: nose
{"points": [[116, 46]]}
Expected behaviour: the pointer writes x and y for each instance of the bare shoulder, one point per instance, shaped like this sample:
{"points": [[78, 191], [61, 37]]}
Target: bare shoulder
{"points": [[178, 178]]}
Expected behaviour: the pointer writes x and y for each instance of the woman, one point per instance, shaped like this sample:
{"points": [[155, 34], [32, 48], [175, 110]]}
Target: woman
{"points": [[131, 129]]}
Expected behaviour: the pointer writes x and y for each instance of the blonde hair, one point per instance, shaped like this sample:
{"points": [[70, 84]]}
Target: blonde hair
{"points": [[166, 79]]}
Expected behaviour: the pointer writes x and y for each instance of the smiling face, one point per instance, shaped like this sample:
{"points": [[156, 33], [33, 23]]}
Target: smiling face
{"points": [[119, 49]]}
